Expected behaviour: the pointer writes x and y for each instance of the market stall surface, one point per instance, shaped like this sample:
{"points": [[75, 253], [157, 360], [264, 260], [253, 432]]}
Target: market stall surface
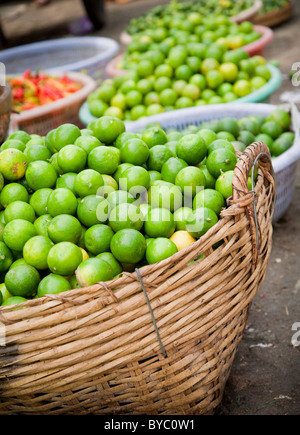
{"points": [[265, 376]]}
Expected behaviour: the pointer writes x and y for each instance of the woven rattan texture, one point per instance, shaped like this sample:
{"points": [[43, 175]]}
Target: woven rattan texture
{"points": [[95, 350]]}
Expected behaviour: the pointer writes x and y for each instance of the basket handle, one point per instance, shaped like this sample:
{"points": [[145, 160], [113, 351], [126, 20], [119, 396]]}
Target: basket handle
{"points": [[242, 198]]}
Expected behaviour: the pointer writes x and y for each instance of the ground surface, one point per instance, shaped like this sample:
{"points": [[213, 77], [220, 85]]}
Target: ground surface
{"points": [[265, 376]]}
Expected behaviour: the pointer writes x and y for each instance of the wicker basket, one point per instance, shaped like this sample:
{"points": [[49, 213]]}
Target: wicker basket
{"points": [[42, 119], [276, 17], [160, 340]]}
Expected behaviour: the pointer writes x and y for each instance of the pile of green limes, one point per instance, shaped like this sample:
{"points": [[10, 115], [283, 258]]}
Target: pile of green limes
{"points": [[190, 75], [80, 206], [161, 16]]}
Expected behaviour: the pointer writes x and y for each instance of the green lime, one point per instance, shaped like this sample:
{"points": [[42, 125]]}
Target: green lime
{"points": [[126, 216], [71, 158], [159, 223], [123, 138], [67, 181], [220, 160], [22, 280], [128, 246], [154, 176], [272, 128], [97, 107], [21, 135], [159, 249], [224, 184], [119, 101], [14, 300], [134, 151], [119, 197], [158, 155], [18, 262], [110, 184], [154, 136], [49, 141], [61, 201], [87, 143], [242, 88], [191, 148], [249, 124], [12, 164], [6, 257], [87, 182], [40, 174], [133, 98], [106, 91], [54, 162], [2, 225], [263, 71], [120, 169], [13, 143], [207, 135], [64, 258], [190, 180], [280, 116], [4, 293], [165, 195], [220, 144], [204, 219], [19, 210], [112, 261], [107, 129], [36, 250], [65, 134], [266, 138], [17, 232], [36, 152], [41, 224], [210, 181], [64, 228], [97, 238], [168, 97], [162, 83], [135, 180], [73, 282], [239, 146], [229, 125], [209, 198], [182, 216], [92, 271], [171, 168], [87, 209], [104, 159], [52, 284], [246, 137], [39, 199], [280, 145]]}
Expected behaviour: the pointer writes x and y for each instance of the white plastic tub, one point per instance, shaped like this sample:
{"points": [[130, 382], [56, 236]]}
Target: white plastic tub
{"points": [[85, 54], [284, 166]]}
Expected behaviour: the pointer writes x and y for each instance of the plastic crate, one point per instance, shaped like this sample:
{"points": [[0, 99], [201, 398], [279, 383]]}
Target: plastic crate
{"points": [[42, 119], [85, 54], [284, 165]]}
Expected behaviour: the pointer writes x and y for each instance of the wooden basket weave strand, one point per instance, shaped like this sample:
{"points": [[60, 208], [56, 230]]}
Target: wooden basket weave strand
{"points": [[100, 350]]}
